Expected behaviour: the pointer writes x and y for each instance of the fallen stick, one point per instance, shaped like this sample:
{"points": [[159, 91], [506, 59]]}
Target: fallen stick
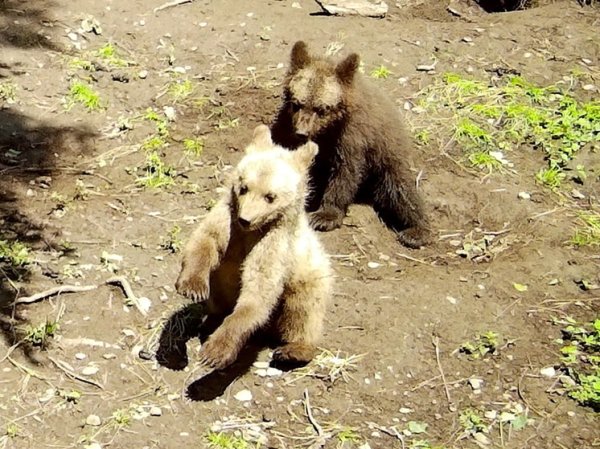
{"points": [[436, 343], [55, 291], [74, 376], [120, 280], [171, 4]]}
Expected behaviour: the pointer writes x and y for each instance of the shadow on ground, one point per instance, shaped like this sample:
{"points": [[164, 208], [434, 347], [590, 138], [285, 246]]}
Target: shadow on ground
{"points": [[28, 149]]}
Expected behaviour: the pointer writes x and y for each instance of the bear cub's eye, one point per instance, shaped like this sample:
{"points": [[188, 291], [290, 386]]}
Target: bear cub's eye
{"points": [[269, 198], [243, 189]]}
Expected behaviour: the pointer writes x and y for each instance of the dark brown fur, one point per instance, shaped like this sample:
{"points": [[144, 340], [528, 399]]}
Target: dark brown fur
{"points": [[362, 146]]}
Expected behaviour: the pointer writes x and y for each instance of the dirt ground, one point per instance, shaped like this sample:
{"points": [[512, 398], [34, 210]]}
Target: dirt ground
{"points": [[68, 189]]}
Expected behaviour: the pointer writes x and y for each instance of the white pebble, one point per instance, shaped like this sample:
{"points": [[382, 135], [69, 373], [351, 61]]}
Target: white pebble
{"points": [[524, 195], [264, 365], [93, 420], [155, 411], [549, 371], [90, 370], [373, 265], [451, 299], [476, 383], [243, 395], [80, 356]]}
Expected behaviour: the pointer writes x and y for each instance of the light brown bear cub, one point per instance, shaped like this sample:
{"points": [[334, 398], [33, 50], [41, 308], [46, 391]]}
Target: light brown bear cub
{"points": [[256, 260]]}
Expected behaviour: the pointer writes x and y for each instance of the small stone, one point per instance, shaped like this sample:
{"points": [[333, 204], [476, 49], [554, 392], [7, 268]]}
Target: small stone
{"points": [[373, 265], [476, 383], [80, 356], [467, 39], [405, 410], [549, 371], [144, 354], [577, 194], [90, 370], [143, 74], [586, 61], [93, 420], [527, 55], [73, 36], [524, 196], [589, 87], [366, 8], [261, 372], [491, 414], [296, 5], [202, 24], [263, 365], [273, 372], [155, 411], [571, 413], [92, 446], [109, 356], [451, 299], [243, 395], [481, 438]]}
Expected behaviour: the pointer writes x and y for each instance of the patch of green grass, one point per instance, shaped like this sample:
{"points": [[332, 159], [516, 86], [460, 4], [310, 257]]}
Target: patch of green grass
{"points": [[83, 94], [193, 147], [15, 254], [486, 343], [483, 159], [162, 124], [84, 64], [158, 175], [423, 137], [179, 90], [72, 396], [380, 72], [581, 360], [515, 112], [551, 177], [41, 334], [588, 234], [225, 441], [109, 54], [348, 435], [153, 143], [8, 92]]}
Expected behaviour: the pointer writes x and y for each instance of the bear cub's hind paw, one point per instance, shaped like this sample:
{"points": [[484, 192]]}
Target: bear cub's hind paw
{"points": [[294, 354], [414, 237]]}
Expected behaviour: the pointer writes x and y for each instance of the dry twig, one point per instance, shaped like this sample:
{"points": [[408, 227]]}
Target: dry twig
{"points": [[171, 4]]}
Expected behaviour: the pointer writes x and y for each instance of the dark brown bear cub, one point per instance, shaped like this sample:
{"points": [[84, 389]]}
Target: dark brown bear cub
{"points": [[361, 145]]}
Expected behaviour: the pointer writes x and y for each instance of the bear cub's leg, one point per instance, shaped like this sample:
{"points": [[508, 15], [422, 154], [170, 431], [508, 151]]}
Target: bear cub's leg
{"points": [[300, 321]]}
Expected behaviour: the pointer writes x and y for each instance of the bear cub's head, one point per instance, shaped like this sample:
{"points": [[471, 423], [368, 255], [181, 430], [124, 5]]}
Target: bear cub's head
{"points": [[316, 90], [269, 182]]}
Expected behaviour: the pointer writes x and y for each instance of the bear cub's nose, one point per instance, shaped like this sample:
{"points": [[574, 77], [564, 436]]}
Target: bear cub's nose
{"points": [[243, 222]]}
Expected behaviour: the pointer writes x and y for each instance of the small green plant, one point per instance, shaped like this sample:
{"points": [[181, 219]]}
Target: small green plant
{"points": [[15, 254], [551, 177], [581, 360], [483, 159], [84, 64], [72, 396], [588, 233], [83, 94], [472, 422], [41, 334], [348, 435], [225, 441], [8, 92], [153, 143], [423, 137], [193, 147], [12, 430], [380, 72], [483, 344], [179, 90], [121, 418], [172, 242], [158, 174], [162, 124], [109, 54]]}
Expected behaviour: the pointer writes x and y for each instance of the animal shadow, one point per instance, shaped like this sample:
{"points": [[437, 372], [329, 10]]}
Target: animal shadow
{"points": [[190, 322]]}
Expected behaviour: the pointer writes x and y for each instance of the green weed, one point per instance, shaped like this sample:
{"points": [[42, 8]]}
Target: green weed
{"points": [[516, 112], [380, 72], [83, 94], [158, 174], [483, 159], [15, 254], [225, 441], [12, 430], [172, 242], [348, 435], [84, 64], [193, 147], [153, 143], [472, 422], [483, 344], [41, 334], [162, 124], [581, 360], [423, 137], [109, 54], [588, 234], [179, 90], [8, 92], [121, 418]]}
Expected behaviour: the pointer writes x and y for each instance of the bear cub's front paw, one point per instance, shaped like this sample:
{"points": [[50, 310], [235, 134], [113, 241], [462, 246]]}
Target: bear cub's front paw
{"points": [[326, 219], [193, 284]]}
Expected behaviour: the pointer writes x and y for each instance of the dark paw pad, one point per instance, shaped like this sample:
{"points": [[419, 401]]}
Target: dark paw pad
{"points": [[326, 219]]}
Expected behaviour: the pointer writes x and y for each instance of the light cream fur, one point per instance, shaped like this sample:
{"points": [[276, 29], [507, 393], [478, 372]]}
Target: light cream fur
{"points": [[255, 258]]}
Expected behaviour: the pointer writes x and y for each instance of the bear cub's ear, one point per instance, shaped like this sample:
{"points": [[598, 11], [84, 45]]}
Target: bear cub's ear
{"points": [[261, 140], [346, 69], [299, 57], [304, 155]]}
